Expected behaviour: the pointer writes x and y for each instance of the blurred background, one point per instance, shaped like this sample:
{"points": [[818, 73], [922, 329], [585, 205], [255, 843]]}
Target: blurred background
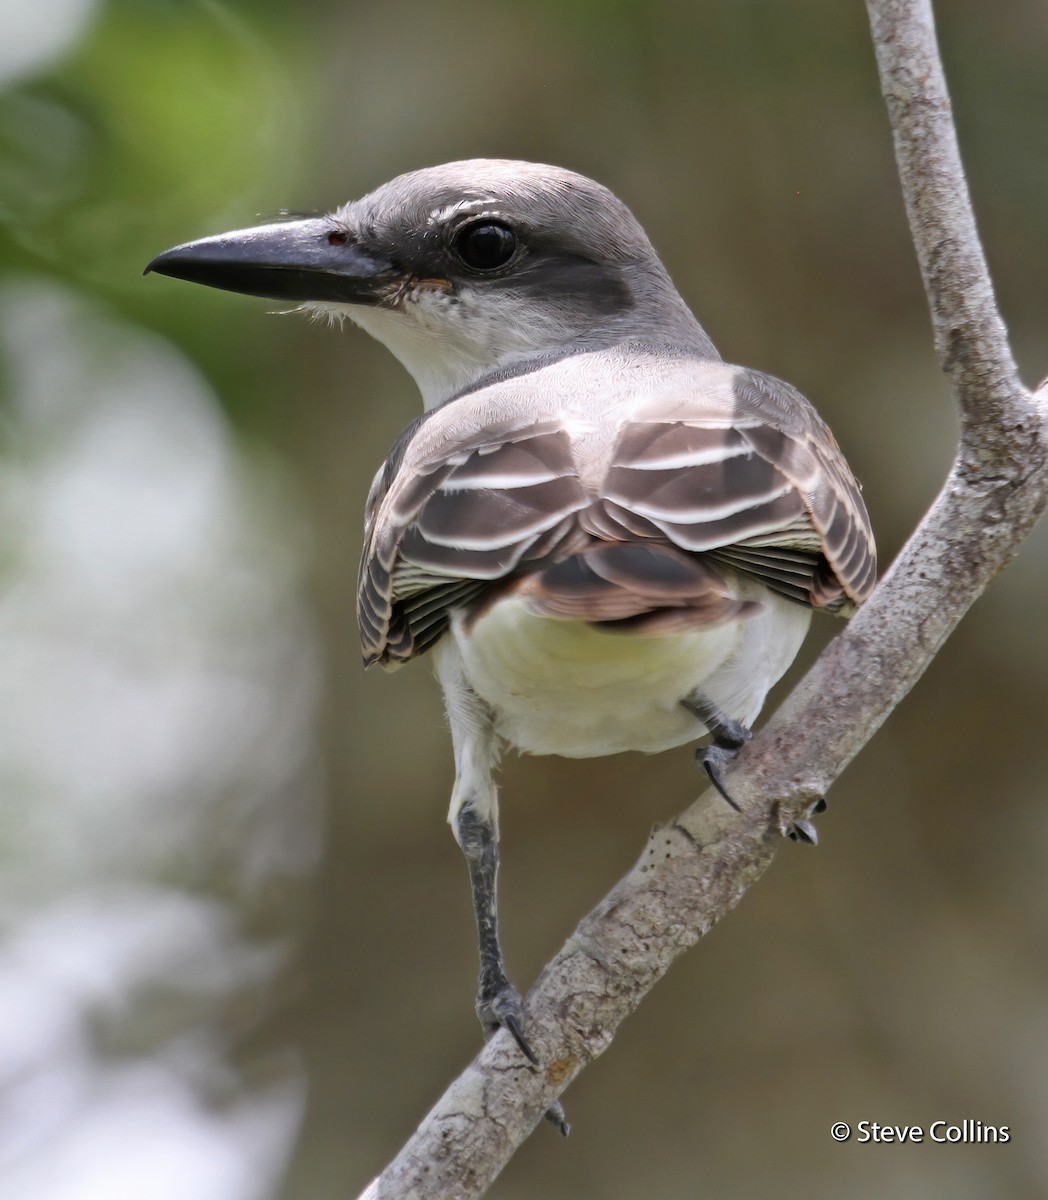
{"points": [[238, 954]]}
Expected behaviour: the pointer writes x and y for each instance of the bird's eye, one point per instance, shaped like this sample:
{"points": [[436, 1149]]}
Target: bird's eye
{"points": [[485, 245]]}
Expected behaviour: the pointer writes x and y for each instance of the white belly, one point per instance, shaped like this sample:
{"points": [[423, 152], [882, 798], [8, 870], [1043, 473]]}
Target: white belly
{"points": [[568, 688]]}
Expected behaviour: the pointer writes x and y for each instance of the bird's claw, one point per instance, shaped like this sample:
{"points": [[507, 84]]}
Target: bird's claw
{"points": [[729, 736], [803, 829], [555, 1115], [499, 1006], [714, 759]]}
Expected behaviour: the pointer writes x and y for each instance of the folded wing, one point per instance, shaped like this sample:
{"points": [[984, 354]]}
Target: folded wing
{"points": [[756, 484], [764, 489], [445, 526]]}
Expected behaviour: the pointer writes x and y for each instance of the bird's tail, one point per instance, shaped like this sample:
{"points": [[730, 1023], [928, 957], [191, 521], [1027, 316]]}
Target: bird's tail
{"points": [[640, 588]]}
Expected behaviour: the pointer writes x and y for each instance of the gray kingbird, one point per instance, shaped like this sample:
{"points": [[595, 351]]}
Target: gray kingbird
{"points": [[609, 538]]}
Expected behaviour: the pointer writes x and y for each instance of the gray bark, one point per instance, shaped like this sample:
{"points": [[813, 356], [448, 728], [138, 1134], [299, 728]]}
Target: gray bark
{"points": [[696, 869]]}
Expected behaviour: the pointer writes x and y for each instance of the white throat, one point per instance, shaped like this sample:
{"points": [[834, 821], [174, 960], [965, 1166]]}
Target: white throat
{"points": [[447, 343]]}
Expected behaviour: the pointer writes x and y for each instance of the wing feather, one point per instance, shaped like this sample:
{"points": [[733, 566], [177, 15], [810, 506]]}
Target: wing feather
{"points": [[772, 476], [450, 523], [746, 476]]}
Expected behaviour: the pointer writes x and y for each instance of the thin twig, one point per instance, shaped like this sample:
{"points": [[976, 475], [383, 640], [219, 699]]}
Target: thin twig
{"points": [[695, 870]]}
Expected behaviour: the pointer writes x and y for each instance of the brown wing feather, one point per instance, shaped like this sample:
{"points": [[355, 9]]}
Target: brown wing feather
{"points": [[441, 531], [774, 500], [758, 485], [832, 495]]}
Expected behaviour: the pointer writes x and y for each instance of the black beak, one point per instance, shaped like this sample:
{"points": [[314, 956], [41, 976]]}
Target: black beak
{"points": [[294, 260]]}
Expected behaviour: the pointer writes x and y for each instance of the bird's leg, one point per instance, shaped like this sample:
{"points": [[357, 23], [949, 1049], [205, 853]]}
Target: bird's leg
{"points": [[474, 821], [728, 737], [498, 1001]]}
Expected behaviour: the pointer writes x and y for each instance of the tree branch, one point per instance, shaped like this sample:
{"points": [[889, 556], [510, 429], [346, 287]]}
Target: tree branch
{"points": [[696, 869]]}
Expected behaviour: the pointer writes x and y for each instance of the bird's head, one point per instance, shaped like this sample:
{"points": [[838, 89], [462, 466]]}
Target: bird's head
{"points": [[463, 270]]}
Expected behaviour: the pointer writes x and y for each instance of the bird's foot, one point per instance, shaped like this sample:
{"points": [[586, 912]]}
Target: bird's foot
{"points": [[555, 1115], [728, 738], [499, 1006], [803, 830]]}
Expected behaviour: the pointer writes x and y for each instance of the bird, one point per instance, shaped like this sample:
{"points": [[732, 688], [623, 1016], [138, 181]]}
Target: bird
{"points": [[605, 537]]}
